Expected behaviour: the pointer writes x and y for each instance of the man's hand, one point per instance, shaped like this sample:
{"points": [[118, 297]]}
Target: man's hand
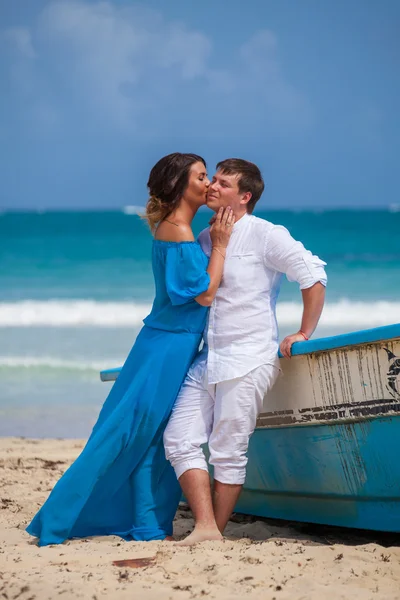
{"points": [[313, 302], [286, 344]]}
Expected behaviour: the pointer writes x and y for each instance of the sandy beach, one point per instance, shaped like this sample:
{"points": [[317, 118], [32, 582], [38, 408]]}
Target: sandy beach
{"points": [[259, 558]]}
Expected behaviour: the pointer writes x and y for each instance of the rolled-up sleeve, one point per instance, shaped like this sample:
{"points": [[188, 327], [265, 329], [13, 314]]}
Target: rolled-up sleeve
{"points": [[286, 255]]}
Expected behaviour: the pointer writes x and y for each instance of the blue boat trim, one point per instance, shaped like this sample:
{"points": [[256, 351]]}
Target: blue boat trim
{"points": [[366, 336], [355, 338], [110, 374]]}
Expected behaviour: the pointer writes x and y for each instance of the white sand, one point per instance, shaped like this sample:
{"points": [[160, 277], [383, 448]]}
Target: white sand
{"points": [[259, 560]]}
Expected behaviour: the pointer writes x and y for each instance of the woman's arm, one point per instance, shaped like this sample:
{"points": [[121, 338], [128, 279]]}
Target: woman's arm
{"points": [[220, 233]]}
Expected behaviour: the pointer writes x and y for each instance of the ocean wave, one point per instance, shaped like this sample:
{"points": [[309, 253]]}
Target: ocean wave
{"points": [[134, 210], [48, 362], [72, 313], [90, 313], [344, 314]]}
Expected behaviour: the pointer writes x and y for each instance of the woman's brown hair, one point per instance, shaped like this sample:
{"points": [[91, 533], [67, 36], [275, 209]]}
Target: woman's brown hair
{"points": [[167, 183]]}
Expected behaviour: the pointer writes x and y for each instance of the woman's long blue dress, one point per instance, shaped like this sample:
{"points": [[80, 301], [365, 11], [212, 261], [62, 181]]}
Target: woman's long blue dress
{"points": [[122, 483]]}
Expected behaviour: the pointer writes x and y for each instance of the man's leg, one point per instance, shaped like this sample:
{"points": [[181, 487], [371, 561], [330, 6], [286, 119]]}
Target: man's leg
{"points": [[188, 428], [237, 405], [195, 484], [225, 496]]}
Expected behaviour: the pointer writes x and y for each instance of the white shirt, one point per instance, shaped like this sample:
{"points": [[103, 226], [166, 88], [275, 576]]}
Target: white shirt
{"points": [[242, 331]]}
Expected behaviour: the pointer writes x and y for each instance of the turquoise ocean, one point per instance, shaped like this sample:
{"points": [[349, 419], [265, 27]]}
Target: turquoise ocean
{"points": [[75, 286]]}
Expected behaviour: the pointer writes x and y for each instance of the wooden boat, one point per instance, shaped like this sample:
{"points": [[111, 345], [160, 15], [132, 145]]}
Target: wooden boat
{"points": [[327, 444]]}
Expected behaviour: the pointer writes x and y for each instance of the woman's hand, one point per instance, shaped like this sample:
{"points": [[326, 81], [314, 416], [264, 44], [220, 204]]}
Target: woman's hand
{"points": [[220, 232], [221, 229]]}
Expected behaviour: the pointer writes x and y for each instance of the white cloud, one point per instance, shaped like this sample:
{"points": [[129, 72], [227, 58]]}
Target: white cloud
{"points": [[112, 51], [264, 76], [259, 53], [121, 67], [21, 40]]}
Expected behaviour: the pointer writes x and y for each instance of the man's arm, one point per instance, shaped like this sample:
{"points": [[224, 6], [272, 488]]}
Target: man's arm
{"points": [[313, 303], [285, 254]]}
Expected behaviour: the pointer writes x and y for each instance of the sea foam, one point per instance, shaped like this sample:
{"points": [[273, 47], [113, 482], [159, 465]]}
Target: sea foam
{"points": [[49, 362], [343, 314]]}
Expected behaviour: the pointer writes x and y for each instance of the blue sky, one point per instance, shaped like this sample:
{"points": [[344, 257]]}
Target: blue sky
{"points": [[93, 93]]}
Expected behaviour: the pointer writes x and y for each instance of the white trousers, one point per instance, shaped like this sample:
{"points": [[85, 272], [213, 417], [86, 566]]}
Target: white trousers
{"points": [[224, 415]]}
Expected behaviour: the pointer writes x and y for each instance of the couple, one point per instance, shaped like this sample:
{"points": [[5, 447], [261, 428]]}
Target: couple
{"points": [[169, 398]]}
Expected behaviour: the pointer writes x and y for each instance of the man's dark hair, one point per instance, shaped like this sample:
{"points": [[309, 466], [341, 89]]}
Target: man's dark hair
{"points": [[249, 178]]}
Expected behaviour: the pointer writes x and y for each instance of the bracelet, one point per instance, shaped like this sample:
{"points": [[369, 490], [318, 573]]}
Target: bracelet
{"points": [[215, 248], [303, 334]]}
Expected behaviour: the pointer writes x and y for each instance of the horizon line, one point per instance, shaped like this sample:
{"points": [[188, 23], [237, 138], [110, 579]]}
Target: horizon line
{"points": [[135, 210]]}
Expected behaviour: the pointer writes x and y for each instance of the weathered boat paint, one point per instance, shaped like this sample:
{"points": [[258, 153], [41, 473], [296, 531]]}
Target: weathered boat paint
{"points": [[326, 445], [352, 382], [338, 473]]}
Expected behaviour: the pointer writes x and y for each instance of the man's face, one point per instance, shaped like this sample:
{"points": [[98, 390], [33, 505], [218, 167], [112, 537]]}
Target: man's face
{"points": [[224, 191]]}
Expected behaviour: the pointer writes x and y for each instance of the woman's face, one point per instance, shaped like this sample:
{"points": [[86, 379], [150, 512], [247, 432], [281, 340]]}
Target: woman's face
{"points": [[196, 191]]}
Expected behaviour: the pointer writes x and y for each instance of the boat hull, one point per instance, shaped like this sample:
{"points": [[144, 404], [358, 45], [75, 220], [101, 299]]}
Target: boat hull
{"points": [[327, 444], [345, 474]]}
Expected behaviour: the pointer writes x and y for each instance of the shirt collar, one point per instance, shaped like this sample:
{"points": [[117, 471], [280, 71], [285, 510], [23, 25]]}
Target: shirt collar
{"points": [[242, 222]]}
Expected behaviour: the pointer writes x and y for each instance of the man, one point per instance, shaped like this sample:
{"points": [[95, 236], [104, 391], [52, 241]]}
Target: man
{"points": [[223, 392]]}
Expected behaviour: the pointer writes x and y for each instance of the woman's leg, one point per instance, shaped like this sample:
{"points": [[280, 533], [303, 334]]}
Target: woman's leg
{"points": [[155, 494]]}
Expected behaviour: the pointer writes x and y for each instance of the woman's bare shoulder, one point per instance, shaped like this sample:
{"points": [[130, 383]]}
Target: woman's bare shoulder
{"points": [[174, 232]]}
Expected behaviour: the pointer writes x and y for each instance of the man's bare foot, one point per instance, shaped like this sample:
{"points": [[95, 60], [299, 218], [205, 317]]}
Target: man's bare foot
{"points": [[169, 538], [200, 535]]}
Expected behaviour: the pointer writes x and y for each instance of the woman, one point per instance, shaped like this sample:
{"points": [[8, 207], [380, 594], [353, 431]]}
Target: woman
{"points": [[121, 483]]}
